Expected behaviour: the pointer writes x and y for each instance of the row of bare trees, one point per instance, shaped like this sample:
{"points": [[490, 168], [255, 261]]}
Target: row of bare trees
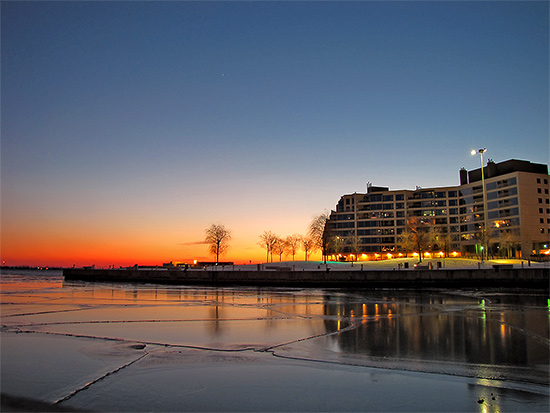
{"points": [[290, 245], [218, 237], [420, 236]]}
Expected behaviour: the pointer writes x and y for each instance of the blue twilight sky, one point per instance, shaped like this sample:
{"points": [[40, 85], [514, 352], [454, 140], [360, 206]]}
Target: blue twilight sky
{"points": [[168, 116]]}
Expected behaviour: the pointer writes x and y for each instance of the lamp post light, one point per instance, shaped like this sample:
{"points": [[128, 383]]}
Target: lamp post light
{"points": [[484, 232]]}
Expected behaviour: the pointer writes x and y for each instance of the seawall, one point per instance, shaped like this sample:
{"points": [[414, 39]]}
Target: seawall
{"points": [[437, 278]]}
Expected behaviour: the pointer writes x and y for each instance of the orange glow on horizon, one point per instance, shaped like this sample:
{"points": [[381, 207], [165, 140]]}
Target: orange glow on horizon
{"points": [[117, 253]]}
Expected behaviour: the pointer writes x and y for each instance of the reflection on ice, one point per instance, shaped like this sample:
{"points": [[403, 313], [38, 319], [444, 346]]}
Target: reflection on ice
{"points": [[169, 348]]}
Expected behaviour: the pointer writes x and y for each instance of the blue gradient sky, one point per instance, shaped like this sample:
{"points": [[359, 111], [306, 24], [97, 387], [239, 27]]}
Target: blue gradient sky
{"points": [[130, 127]]}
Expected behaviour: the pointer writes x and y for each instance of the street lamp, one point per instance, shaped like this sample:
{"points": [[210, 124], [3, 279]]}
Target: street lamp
{"points": [[484, 232]]}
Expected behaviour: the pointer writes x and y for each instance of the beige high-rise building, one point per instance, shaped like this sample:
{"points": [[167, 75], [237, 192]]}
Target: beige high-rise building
{"points": [[516, 200]]}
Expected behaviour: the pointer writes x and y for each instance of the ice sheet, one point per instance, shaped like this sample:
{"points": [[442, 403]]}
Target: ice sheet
{"points": [[132, 347]]}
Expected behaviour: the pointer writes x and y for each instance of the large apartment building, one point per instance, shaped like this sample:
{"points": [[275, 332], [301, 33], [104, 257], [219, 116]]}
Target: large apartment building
{"points": [[516, 200]]}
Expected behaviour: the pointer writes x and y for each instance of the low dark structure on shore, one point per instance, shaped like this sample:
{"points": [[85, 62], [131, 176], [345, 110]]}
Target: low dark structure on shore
{"points": [[496, 277]]}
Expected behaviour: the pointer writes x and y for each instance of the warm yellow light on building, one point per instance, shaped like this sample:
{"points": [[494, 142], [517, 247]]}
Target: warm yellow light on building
{"points": [[454, 254], [415, 254], [389, 255]]}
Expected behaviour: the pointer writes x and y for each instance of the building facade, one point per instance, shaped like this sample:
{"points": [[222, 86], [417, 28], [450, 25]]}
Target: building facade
{"points": [[516, 200]]}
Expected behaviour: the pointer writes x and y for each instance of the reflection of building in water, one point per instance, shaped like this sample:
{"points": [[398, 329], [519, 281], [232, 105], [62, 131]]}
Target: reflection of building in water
{"points": [[368, 225], [418, 325]]}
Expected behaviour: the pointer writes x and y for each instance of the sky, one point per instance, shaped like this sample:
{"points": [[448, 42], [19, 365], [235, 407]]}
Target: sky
{"points": [[128, 128]]}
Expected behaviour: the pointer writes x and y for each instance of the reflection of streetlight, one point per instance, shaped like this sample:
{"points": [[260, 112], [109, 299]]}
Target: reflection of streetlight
{"points": [[484, 232]]}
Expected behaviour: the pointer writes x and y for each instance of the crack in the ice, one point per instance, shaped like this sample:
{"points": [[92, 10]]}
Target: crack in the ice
{"points": [[352, 325], [44, 312], [88, 385], [123, 340], [176, 320]]}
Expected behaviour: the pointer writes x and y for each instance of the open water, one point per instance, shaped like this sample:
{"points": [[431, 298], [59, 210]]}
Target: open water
{"points": [[144, 347]]}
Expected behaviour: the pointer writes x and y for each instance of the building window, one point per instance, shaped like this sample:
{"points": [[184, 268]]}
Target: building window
{"points": [[541, 211], [542, 220], [539, 190], [538, 180], [546, 182], [542, 230], [540, 200], [546, 191]]}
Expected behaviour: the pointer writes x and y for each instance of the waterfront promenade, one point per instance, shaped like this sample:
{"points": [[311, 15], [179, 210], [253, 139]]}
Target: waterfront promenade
{"points": [[316, 274]]}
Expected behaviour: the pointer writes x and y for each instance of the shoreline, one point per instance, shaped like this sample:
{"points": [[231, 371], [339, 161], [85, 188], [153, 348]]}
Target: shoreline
{"points": [[502, 276]]}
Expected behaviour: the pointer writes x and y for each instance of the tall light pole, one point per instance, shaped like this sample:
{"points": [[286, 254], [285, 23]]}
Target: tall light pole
{"points": [[484, 232]]}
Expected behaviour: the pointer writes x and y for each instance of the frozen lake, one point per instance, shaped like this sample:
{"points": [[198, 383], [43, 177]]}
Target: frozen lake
{"points": [[139, 347]]}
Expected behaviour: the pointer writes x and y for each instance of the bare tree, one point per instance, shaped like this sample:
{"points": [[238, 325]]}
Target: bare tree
{"points": [[354, 246], [292, 243], [279, 248], [308, 245], [319, 234], [406, 241], [420, 234], [267, 241], [509, 241], [440, 239], [218, 237]]}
